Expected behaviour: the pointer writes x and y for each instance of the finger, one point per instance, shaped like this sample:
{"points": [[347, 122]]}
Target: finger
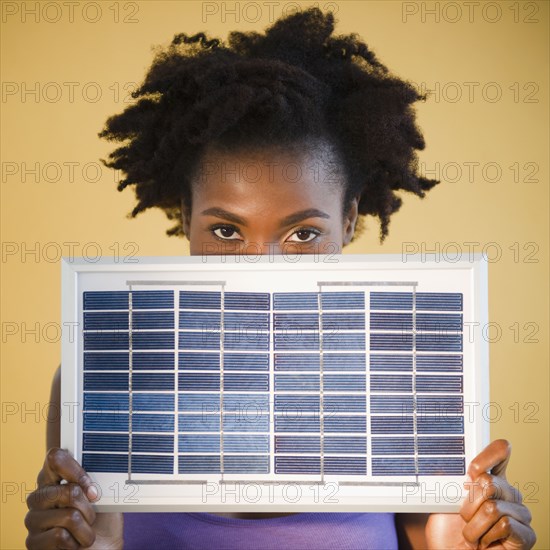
{"points": [[60, 465], [68, 518], [490, 514], [513, 531], [487, 487], [69, 495], [53, 539], [494, 459]]}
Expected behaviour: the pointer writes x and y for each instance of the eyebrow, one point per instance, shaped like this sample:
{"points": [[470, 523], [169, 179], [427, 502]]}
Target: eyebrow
{"points": [[292, 218]]}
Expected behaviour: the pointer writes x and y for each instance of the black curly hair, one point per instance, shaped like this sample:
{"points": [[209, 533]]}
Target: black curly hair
{"points": [[293, 84]]}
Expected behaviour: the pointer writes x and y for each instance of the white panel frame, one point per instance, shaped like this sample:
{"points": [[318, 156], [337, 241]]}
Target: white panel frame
{"points": [[433, 495]]}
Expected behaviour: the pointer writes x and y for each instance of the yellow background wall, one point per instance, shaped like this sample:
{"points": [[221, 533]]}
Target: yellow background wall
{"points": [[492, 151]]}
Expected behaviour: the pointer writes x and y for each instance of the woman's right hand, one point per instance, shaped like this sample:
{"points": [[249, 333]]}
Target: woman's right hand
{"points": [[61, 514]]}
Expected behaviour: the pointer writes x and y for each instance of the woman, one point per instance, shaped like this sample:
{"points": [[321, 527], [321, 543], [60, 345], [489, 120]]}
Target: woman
{"points": [[275, 143]]}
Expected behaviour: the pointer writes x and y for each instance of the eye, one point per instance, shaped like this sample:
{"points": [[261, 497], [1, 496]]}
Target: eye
{"points": [[304, 235], [225, 232]]}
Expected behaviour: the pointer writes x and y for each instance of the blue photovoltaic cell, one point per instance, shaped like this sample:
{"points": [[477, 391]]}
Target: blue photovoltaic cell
{"points": [[145, 360], [426, 466], [331, 322], [425, 404], [146, 382], [425, 445], [105, 381], [440, 404], [201, 341], [312, 465], [115, 320], [120, 340], [143, 422], [344, 403], [439, 363], [296, 403], [246, 300], [106, 401], [144, 320], [110, 299], [153, 402], [106, 422], [245, 381], [253, 341], [297, 382], [199, 402], [190, 299], [341, 424], [157, 443], [245, 361], [231, 361], [152, 299], [424, 342], [118, 422], [119, 299], [295, 300], [423, 321], [310, 341], [232, 443], [199, 381], [203, 361], [199, 464], [299, 423], [232, 341], [311, 444], [435, 301], [246, 403], [401, 404], [232, 402], [424, 363], [199, 422], [344, 382], [106, 341], [245, 443], [232, 320], [251, 421], [178, 361], [119, 463], [231, 464], [311, 361], [390, 383], [112, 320], [105, 462], [106, 361], [109, 442]]}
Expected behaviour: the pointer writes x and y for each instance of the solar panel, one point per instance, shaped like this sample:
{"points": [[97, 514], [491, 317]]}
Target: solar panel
{"points": [[321, 383]]}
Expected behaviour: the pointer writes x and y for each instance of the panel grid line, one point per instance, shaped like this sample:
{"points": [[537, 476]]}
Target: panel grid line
{"points": [[130, 392], [222, 367], [176, 382], [415, 420], [271, 385], [368, 423], [321, 383]]}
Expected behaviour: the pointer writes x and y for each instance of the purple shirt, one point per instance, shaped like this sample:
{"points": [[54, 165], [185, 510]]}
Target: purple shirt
{"points": [[304, 531]]}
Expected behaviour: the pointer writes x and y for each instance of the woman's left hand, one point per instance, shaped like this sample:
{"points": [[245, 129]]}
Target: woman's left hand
{"points": [[492, 515]]}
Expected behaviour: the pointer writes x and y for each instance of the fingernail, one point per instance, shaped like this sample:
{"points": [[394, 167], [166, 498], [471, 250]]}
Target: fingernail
{"points": [[92, 492]]}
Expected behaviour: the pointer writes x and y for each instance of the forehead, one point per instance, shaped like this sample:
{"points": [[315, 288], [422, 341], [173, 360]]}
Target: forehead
{"points": [[298, 174]]}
